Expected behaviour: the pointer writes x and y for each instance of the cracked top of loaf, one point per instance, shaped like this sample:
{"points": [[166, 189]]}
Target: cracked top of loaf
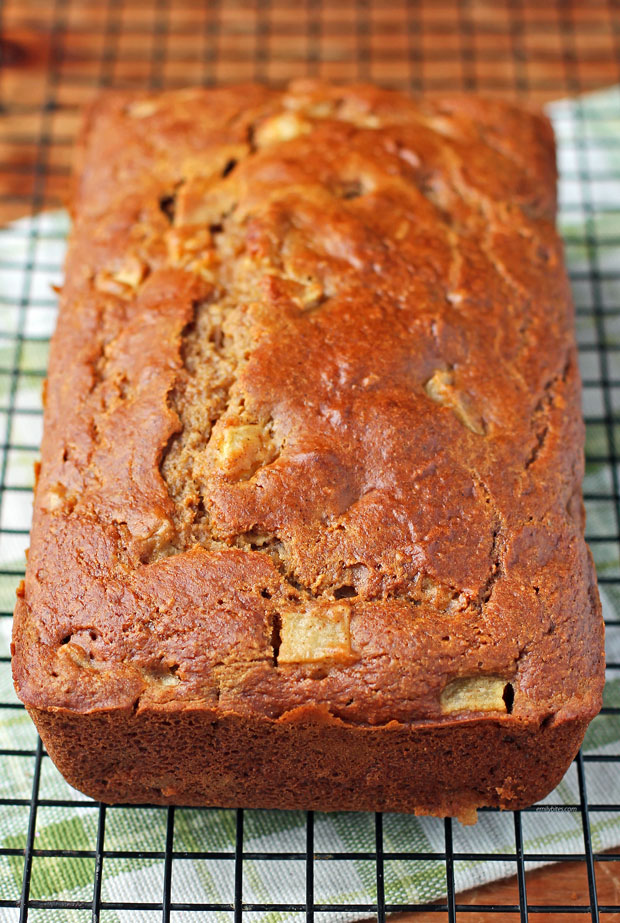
{"points": [[313, 443]]}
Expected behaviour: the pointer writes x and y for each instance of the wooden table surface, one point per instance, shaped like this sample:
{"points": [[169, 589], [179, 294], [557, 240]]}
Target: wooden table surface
{"points": [[57, 55]]}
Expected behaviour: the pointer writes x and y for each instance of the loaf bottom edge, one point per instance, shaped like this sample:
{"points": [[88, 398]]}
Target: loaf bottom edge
{"points": [[196, 757]]}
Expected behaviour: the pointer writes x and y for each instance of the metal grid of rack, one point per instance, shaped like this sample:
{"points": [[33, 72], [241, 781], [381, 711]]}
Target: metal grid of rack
{"points": [[55, 56]]}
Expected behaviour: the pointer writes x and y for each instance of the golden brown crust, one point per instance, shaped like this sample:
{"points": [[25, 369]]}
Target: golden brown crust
{"points": [[313, 444]]}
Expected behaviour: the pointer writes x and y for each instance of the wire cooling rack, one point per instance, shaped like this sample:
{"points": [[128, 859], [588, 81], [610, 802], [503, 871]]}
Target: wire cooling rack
{"points": [[55, 55]]}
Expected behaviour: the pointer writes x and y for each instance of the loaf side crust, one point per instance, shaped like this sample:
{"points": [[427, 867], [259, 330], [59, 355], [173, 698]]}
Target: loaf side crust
{"points": [[311, 471]]}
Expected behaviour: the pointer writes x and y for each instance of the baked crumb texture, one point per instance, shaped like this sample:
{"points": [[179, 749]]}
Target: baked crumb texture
{"points": [[308, 529]]}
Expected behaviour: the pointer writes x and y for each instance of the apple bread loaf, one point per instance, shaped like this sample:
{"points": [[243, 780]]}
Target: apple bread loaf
{"points": [[308, 526]]}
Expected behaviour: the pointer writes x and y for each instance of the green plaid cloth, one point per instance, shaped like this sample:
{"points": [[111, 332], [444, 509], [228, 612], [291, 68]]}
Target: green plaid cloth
{"points": [[590, 221]]}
